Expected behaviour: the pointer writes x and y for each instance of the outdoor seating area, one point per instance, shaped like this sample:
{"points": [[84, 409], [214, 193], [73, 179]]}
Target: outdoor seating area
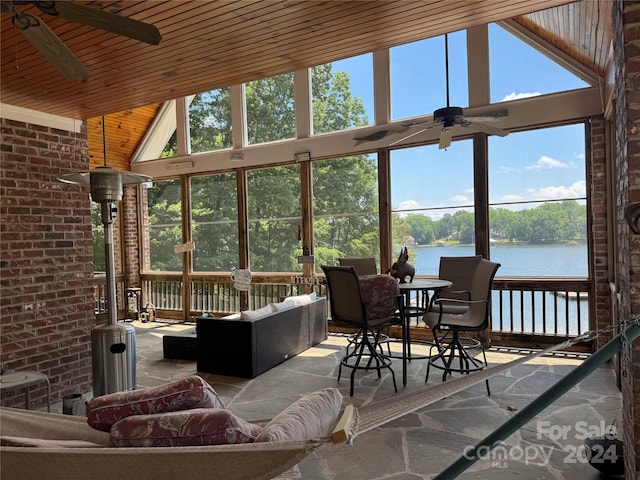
{"points": [[428, 207], [422, 443]]}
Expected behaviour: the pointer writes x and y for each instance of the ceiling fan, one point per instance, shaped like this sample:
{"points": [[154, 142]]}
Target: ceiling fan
{"points": [[54, 50], [448, 117]]}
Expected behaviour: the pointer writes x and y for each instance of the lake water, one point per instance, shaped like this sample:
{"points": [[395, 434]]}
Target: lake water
{"points": [[525, 314], [518, 260]]}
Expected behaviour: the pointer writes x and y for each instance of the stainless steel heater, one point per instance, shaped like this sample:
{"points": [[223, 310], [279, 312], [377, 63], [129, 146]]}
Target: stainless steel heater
{"points": [[113, 343]]}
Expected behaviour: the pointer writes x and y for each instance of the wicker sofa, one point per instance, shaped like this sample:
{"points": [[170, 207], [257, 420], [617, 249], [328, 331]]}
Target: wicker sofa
{"points": [[248, 344]]}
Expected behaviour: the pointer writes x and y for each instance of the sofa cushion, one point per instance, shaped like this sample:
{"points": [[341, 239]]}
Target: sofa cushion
{"points": [[255, 314], [201, 426], [309, 417], [190, 392], [302, 299], [284, 305]]}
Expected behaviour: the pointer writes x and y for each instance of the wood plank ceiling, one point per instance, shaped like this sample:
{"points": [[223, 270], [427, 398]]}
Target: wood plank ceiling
{"points": [[212, 44]]}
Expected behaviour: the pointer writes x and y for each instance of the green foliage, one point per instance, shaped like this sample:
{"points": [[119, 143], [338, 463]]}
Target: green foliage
{"points": [[345, 208], [551, 222], [99, 261]]}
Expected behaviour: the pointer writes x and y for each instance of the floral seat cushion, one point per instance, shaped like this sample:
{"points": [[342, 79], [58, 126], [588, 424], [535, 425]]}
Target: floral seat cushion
{"points": [[380, 295]]}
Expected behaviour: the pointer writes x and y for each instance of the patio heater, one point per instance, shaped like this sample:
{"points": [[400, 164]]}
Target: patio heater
{"points": [[113, 345]]}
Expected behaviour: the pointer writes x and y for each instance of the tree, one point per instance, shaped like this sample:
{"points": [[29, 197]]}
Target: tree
{"points": [[345, 190], [421, 228]]}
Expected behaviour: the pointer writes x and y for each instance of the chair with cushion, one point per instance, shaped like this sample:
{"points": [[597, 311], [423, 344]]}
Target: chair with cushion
{"points": [[369, 308], [459, 271], [364, 266], [473, 315]]}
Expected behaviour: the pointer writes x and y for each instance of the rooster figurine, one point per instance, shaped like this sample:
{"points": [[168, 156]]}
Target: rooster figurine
{"points": [[401, 269]]}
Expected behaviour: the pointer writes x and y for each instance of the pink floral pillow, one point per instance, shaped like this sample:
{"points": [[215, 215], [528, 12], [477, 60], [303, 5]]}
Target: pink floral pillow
{"points": [[380, 294], [202, 426], [183, 394]]}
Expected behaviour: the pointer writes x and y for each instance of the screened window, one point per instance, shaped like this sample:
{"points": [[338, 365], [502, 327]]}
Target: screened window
{"points": [[210, 121], [270, 109], [97, 228], [214, 222], [537, 196], [345, 209], [418, 80], [518, 70], [165, 225], [342, 94], [432, 203], [274, 219]]}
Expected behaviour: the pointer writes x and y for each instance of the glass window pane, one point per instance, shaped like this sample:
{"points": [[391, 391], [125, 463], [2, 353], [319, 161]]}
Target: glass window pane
{"points": [[97, 227], [432, 203], [165, 225], [270, 109], [345, 209], [214, 214], [537, 195], [342, 94], [210, 121], [274, 219], [418, 80], [518, 70]]}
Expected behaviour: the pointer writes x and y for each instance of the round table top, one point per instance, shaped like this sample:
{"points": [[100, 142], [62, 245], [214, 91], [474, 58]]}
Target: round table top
{"points": [[22, 378], [425, 284]]}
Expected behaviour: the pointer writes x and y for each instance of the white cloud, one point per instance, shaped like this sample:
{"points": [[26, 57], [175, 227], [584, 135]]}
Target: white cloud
{"points": [[459, 199], [408, 205], [577, 189], [511, 198], [516, 96], [547, 163]]}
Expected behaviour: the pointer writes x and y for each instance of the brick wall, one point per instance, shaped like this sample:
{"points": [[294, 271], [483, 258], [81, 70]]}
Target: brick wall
{"points": [[46, 260], [626, 18], [597, 175]]}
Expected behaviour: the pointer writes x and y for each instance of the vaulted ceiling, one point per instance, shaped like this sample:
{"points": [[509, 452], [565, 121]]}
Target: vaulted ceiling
{"points": [[212, 44]]}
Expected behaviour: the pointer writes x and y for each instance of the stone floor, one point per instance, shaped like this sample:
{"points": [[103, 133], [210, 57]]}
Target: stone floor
{"points": [[421, 444]]}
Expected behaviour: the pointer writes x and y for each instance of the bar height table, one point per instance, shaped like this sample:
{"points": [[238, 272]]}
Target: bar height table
{"points": [[415, 311], [25, 379]]}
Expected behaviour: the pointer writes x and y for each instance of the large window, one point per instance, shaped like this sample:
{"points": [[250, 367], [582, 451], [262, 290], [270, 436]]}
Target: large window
{"points": [[214, 222], [537, 196], [165, 225], [418, 82], [274, 219], [518, 70], [432, 203], [342, 94], [345, 209], [210, 121], [270, 109]]}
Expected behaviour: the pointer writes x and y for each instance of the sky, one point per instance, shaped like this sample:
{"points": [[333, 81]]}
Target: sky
{"points": [[527, 166]]}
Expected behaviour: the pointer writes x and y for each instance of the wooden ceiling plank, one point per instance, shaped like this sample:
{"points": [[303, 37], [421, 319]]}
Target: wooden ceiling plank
{"points": [[140, 89]]}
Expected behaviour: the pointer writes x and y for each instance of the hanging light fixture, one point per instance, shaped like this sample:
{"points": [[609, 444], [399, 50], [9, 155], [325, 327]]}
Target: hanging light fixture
{"points": [[113, 344]]}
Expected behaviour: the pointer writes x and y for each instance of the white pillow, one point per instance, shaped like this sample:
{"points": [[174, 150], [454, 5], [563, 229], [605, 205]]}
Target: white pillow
{"points": [[254, 314], [285, 305], [233, 316], [309, 417], [303, 299]]}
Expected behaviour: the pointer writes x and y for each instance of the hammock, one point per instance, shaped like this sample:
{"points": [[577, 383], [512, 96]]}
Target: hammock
{"points": [[252, 461]]}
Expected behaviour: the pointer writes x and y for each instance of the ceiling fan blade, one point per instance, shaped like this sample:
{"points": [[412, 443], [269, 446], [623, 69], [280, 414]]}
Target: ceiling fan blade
{"points": [[445, 138], [489, 129], [51, 47], [408, 136], [118, 24]]}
